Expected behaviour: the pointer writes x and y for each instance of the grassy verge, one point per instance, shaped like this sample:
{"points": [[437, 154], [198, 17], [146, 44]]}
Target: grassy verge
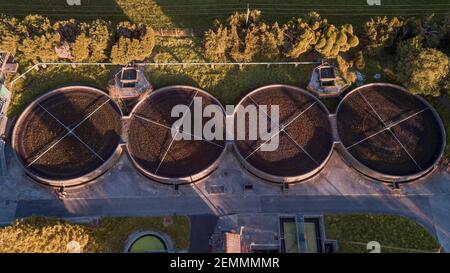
{"points": [[108, 235], [200, 14], [38, 82], [442, 105], [227, 83], [394, 233]]}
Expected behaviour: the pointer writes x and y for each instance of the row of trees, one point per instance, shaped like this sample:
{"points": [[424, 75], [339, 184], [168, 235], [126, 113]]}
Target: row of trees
{"points": [[412, 43], [384, 33], [36, 39], [244, 37], [415, 45]]}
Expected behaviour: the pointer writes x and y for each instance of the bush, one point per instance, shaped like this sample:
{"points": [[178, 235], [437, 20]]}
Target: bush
{"points": [[422, 70], [38, 39], [9, 38], [299, 38], [346, 69], [82, 42], [432, 30], [360, 62], [42, 235], [314, 32], [133, 42], [381, 32], [243, 38]]}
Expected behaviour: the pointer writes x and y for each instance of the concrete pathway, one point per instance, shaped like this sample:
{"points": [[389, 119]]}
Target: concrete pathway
{"points": [[124, 192]]}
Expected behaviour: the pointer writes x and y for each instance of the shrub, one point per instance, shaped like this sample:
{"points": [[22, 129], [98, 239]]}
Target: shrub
{"points": [[299, 38], [243, 38], [133, 42], [432, 30], [38, 39], [9, 37], [360, 62], [42, 235], [346, 70], [216, 43], [422, 70], [81, 42], [381, 32], [314, 32]]}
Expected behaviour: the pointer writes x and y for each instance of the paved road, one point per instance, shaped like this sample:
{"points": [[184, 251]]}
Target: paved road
{"points": [[124, 192], [427, 210], [202, 227]]}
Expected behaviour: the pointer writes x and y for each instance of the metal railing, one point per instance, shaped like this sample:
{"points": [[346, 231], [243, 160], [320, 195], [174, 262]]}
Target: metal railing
{"points": [[162, 64]]}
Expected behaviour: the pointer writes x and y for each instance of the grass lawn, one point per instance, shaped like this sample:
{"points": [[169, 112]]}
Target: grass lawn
{"points": [[442, 105], [394, 233], [108, 235], [290, 237], [37, 83], [199, 14]]}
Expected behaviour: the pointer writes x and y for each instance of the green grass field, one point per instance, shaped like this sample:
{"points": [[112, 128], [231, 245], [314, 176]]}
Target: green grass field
{"points": [[394, 233], [200, 14]]}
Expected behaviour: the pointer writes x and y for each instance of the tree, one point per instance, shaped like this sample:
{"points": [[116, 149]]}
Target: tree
{"points": [[243, 38], [298, 38], [346, 69], [244, 35], [336, 40], [271, 40], [38, 39], [133, 42], [381, 32], [359, 61], [432, 30], [100, 34], [81, 42], [422, 70], [216, 43], [314, 32], [9, 37], [68, 32]]}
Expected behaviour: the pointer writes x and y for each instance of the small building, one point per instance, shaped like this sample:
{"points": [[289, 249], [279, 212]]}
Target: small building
{"points": [[272, 233], [232, 242], [326, 81], [130, 83], [7, 64]]}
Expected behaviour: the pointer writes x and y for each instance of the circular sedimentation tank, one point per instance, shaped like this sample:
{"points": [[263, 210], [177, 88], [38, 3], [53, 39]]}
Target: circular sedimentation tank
{"points": [[68, 136], [389, 134], [154, 150], [305, 141]]}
